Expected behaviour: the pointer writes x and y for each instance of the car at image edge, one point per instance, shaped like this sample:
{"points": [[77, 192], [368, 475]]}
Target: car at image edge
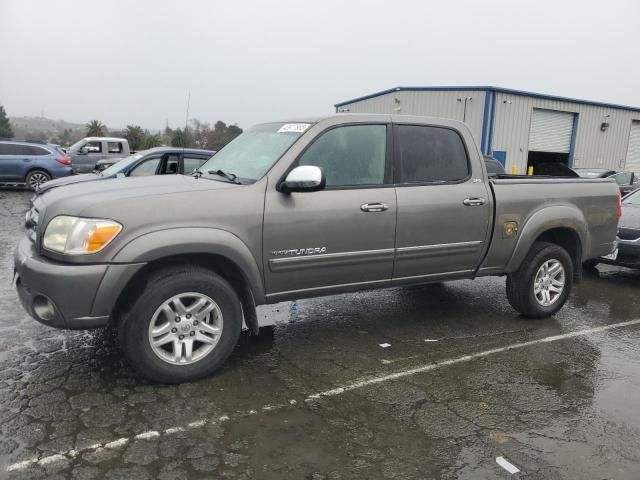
{"points": [[31, 163], [155, 161]]}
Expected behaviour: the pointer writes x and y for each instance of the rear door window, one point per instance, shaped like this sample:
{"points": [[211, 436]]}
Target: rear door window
{"points": [[430, 155], [15, 149], [114, 147], [191, 163]]}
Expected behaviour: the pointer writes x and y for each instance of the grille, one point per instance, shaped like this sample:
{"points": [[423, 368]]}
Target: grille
{"points": [[628, 233], [31, 223]]}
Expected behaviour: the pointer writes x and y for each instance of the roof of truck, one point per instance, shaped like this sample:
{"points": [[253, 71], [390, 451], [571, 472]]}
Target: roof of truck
{"points": [[108, 139]]}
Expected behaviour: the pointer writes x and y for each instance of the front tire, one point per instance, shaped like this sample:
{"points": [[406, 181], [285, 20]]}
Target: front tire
{"points": [[541, 286], [183, 326], [35, 178]]}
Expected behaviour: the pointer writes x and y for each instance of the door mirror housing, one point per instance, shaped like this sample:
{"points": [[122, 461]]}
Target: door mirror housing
{"points": [[305, 178]]}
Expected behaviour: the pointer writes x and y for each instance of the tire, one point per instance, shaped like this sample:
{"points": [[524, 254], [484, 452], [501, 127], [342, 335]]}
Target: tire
{"points": [[35, 178], [185, 283], [521, 285]]}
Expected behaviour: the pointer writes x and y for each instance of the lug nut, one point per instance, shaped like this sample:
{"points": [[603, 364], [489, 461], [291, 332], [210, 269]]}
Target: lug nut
{"points": [[195, 322], [174, 330], [188, 315], [181, 337], [192, 333], [177, 319]]}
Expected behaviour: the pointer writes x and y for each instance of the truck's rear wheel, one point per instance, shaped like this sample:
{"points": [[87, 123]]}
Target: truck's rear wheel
{"points": [[182, 327], [541, 286]]}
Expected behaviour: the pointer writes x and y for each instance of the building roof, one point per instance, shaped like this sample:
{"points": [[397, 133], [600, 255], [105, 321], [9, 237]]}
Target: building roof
{"points": [[490, 88]]}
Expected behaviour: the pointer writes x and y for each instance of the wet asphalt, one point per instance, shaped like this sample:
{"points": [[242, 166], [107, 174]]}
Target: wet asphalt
{"points": [[561, 409]]}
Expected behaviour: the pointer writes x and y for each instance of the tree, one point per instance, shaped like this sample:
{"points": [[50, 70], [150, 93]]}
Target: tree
{"points": [[151, 141], [95, 128], [135, 136], [5, 125], [178, 138]]}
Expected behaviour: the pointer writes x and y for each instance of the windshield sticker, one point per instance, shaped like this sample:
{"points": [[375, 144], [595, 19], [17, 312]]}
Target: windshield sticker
{"points": [[294, 127]]}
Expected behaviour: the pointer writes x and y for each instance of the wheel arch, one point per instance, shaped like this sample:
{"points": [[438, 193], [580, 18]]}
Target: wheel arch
{"points": [[219, 251], [564, 226]]}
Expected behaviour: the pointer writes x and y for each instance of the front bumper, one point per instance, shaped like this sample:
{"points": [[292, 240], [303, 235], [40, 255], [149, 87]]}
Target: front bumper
{"points": [[64, 295], [628, 254]]}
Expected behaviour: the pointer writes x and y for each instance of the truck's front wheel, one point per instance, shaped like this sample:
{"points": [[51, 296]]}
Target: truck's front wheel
{"points": [[183, 325], [541, 286]]}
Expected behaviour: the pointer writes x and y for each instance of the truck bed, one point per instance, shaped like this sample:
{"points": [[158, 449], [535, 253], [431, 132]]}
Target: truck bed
{"points": [[538, 203]]}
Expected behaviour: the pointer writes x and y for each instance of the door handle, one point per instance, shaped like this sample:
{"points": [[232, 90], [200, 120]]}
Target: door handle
{"points": [[374, 207], [473, 202]]}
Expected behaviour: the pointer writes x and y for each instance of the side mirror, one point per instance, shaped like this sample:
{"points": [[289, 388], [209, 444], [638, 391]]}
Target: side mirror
{"points": [[83, 150], [306, 178]]}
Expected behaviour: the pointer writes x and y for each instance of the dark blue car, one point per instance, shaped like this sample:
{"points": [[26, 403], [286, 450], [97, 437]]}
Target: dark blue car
{"points": [[155, 161], [31, 163]]}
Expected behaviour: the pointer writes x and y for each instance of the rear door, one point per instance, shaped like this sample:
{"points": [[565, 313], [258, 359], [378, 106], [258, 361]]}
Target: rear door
{"points": [[334, 239], [192, 161], [443, 203], [15, 161]]}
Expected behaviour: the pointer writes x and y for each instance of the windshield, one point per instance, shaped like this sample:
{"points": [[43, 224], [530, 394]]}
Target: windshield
{"points": [[250, 155], [76, 146], [633, 199], [122, 164]]}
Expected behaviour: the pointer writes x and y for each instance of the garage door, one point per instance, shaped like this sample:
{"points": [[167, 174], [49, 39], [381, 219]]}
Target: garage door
{"points": [[550, 131], [633, 151]]}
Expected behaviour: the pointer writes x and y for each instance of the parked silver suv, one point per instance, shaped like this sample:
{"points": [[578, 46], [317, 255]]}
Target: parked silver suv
{"points": [[298, 209]]}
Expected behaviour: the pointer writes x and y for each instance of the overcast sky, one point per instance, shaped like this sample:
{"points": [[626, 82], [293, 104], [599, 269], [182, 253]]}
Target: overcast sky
{"points": [[134, 62]]}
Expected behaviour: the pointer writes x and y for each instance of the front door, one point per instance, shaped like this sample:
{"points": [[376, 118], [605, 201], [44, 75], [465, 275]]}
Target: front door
{"points": [[343, 236], [443, 205], [86, 162]]}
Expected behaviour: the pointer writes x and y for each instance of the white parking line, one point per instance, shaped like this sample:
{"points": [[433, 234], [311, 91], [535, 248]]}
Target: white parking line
{"points": [[121, 442], [465, 358]]}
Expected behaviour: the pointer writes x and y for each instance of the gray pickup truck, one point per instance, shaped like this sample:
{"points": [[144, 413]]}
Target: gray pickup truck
{"points": [[299, 209], [87, 152]]}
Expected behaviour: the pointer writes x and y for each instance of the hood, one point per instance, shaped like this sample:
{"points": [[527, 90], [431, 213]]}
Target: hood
{"points": [[77, 197], [60, 182], [630, 217]]}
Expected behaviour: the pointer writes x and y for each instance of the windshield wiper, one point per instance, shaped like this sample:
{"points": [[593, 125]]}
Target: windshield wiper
{"points": [[232, 177]]}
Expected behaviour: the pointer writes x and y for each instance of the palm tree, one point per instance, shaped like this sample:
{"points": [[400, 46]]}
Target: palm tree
{"points": [[95, 128], [135, 136]]}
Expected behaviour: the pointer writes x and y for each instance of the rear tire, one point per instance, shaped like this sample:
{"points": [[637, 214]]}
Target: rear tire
{"points": [[35, 178], [541, 286], [178, 307]]}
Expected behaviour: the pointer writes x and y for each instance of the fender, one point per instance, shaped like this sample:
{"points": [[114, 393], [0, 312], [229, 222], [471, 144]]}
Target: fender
{"points": [[547, 218], [184, 240]]}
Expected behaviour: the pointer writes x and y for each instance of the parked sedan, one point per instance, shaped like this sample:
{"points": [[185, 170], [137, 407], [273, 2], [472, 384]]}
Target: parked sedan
{"points": [[155, 161], [628, 252]]}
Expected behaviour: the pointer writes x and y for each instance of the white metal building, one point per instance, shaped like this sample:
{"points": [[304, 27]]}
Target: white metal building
{"points": [[522, 129]]}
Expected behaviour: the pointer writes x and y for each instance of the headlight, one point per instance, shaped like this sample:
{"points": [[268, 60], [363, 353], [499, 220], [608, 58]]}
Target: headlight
{"points": [[79, 236]]}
